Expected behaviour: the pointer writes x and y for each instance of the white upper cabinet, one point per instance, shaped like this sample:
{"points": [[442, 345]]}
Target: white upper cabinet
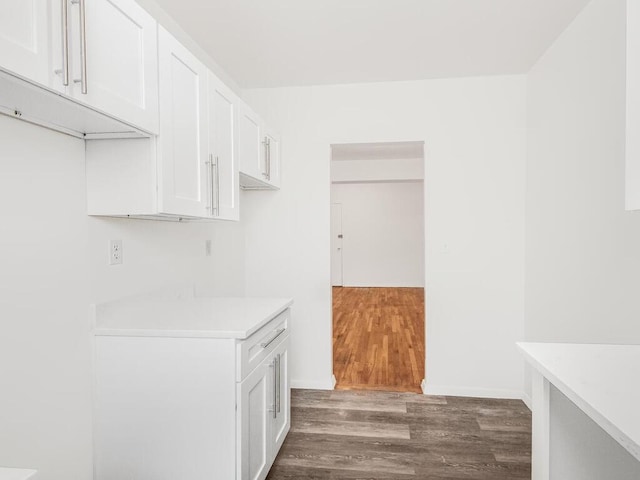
{"points": [[223, 149], [114, 61], [24, 38], [100, 54], [250, 142], [184, 170], [271, 157], [259, 152]]}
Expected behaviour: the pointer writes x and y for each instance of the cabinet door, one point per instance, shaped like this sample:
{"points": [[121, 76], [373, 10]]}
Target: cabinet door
{"points": [[255, 410], [121, 62], [282, 421], [183, 170], [223, 145], [24, 38], [250, 143], [271, 158]]}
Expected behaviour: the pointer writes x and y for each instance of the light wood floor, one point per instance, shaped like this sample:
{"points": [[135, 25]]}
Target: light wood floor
{"points": [[351, 435], [378, 338]]}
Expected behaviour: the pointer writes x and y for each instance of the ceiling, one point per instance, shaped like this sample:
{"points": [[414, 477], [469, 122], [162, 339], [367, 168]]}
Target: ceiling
{"points": [[377, 151], [274, 43]]}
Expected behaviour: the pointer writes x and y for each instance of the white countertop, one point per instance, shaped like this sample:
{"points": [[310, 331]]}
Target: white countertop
{"points": [[602, 380], [203, 317], [16, 473]]}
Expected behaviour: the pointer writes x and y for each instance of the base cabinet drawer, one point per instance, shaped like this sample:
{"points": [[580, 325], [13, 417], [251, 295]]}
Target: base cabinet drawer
{"points": [[168, 408]]}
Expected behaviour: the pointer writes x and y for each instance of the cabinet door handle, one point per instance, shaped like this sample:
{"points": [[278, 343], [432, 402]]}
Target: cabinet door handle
{"points": [[209, 185], [83, 46], [268, 158], [211, 165], [273, 339], [217, 184], [275, 389], [265, 173], [278, 358], [65, 43]]}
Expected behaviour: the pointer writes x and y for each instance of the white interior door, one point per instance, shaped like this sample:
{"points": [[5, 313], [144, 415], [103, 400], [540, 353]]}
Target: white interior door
{"points": [[336, 245]]}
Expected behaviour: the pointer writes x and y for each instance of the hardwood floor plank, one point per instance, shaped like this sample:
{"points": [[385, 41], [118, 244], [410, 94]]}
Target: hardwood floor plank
{"points": [[378, 338]]}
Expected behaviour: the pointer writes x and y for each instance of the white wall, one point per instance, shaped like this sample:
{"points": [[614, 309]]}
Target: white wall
{"points": [[383, 228], [54, 264], [474, 131], [583, 248]]}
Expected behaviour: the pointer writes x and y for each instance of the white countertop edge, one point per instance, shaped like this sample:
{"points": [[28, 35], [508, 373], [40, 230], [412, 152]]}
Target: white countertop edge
{"points": [[607, 425], [8, 473], [164, 333]]}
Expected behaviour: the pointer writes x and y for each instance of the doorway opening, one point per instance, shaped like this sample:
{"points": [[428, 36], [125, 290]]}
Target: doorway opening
{"points": [[377, 265]]}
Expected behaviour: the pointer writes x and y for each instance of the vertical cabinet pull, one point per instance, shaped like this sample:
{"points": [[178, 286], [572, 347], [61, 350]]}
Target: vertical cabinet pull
{"points": [[83, 45], [217, 187], [275, 382], [267, 158], [65, 43], [209, 164], [279, 377]]}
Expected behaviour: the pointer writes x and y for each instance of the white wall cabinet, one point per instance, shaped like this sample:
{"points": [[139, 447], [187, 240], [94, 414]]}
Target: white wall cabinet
{"points": [[25, 38], [184, 173], [259, 152], [100, 53], [191, 169], [223, 104], [187, 404], [118, 73]]}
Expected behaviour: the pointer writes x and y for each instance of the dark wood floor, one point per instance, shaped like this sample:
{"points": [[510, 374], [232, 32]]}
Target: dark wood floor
{"points": [[378, 338], [395, 436]]}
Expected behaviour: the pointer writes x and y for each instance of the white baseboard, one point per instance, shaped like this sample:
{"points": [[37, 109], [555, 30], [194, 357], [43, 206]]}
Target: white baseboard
{"points": [[314, 384], [449, 391], [527, 401]]}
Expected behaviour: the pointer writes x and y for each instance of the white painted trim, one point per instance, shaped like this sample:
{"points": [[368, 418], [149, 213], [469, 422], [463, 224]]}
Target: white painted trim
{"points": [[313, 384], [443, 390], [334, 382], [527, 401], [423, 386]]}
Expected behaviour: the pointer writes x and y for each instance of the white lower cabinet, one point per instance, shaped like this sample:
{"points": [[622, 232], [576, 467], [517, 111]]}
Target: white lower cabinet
{"points": [[198, 408], [263, 414]]}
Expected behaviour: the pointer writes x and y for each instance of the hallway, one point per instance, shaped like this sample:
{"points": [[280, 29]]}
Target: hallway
{"points": [[378, 338]]}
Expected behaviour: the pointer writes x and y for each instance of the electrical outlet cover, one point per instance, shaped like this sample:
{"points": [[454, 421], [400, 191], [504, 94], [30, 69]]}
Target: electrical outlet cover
{"points": [[115, 252]]}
